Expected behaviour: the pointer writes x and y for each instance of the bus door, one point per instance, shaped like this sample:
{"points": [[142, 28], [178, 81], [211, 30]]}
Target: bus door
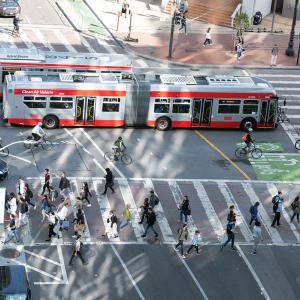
{"points": [[268, 113], [85, 110], [201, 112]]}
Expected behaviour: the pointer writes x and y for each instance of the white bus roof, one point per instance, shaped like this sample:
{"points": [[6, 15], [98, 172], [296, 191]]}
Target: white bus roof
{"points": [[62, 59]]}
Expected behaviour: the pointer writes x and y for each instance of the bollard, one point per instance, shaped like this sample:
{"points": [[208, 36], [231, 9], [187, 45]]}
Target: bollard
{"points": [[118, 20]]}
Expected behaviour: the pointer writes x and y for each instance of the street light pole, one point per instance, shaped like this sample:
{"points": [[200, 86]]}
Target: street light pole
{"points": [[290, 50], [172, 31], [273, 17]]}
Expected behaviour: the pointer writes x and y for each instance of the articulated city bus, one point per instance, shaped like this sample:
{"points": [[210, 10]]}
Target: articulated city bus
{"points": [[160, 101], [34, 60]]}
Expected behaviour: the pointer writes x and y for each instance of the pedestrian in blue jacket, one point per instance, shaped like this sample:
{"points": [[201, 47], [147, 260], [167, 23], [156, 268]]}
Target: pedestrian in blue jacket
{"points": [[254, 212]]}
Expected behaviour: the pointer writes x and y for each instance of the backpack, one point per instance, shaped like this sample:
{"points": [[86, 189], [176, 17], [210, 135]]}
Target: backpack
{"points": [[30, 193], [67, 183], [274, 199], [156, 200], [244, 137], [251, 209], [275, 206]]}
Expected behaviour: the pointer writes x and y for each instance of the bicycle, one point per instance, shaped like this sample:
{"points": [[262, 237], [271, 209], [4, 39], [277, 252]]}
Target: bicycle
{"points": [[242, 152], [114, 156], [281, 115], [297, 145], [5, 151], [30, 143]]}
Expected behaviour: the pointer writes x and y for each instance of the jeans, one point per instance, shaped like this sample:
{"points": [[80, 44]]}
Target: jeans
{"points": [[253, 218], [151, 227], [74, 255], [276, 219], [256, 242], [10, 235], [193, 246], [124, 223], [230, 237], [46, 186], [108, 185], [293, 216], [183, 212], [180, 243]]}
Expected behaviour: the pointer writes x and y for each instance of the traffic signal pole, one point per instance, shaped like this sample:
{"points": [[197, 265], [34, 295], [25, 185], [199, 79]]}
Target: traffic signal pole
{"points": [[171, 35]]}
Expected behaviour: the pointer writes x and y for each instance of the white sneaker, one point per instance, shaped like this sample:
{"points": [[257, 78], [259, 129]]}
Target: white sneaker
{"points": [[176, 249], [89, 205], [183, 256]]}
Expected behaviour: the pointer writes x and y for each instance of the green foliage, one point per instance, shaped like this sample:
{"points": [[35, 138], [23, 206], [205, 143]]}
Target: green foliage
{"points": [[242, 22]]}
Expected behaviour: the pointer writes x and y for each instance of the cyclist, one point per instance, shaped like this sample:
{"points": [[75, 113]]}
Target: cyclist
{"points": [[118, 147], [38, 132], [248, 139]]}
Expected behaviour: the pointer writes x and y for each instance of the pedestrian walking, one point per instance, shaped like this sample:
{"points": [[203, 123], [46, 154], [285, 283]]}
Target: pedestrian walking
{"points": [[109, 181], [196, 240], [12, 204], [47, 179], [125, 8], [296, 208], [277, 208], [230, 236], [85, 193], [46, 207], [23, 210], [127, 217], [256, 236], [151, 219], [182, 235], [183, 24], [29, 195], [79, 222], [21, 187], [52, 221], [153, 199], [113, 228], [253, 212], [239, 50], [144, 208], [64, 184], [185, 209], [274, 55], [77, 251], [16, 21], [231, 217], [208, 39], [12, 230]]}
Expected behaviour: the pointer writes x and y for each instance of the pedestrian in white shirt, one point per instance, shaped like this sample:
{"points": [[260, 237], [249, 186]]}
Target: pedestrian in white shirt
{"points": [[256, 236], [208, 39], [21, 192], [12, 202]]}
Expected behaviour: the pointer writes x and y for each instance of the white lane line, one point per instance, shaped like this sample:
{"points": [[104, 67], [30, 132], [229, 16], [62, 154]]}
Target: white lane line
{"points": [[289, 130], [102, 42], [264, 218], [100, 151], [292, 107], [141, 63], [85, 43], [42, 38], [241, 222], [193, 276], [284, 82], [246, 72], [293, 116], [64, 41], [290, 95], [86, 233], [209, 210], [287, 89], [6, 42], [277, 75], [128, 199], [42, 257], [255, 276], [105, 208], [273, 191], [161, 218], [26, 40], [128, 273], [178, 197], [23, 159]]}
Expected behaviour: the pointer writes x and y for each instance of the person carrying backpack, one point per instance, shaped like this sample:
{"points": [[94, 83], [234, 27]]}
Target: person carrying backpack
{"points": [[254, 212], [296, 208], [153, 199], [230, 236], [64, 184], [277, 208], [23, 209], [185, 209]]}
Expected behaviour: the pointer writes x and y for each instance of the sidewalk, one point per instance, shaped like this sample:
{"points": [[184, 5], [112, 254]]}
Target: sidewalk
{"points": [[151, 26]]}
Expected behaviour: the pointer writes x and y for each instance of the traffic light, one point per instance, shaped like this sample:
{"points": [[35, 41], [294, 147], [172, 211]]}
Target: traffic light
{"points": [[177, 18], [182, 7]]}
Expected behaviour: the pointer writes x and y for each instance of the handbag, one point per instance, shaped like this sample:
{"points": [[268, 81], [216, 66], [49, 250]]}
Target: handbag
{"points": [[78, 227]]}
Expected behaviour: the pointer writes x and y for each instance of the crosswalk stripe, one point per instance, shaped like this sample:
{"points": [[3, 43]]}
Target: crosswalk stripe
{"points": [[287, 89], [273, 191], [161, 218], [6, 40], [229, 199], [104, 210], [86, 44], [177, 195], [283, 82], [64, 41], [26, 40], [264, 218], [42, 38], [86, 233], [276, 75], [292, 107], [141, 63], [293, 116], [128, 199], [209, 210]]}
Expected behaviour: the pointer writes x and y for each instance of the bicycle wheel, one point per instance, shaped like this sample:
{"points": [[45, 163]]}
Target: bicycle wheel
{"points": [[240, 152], [4, 152], [126, 159], [47, 145], [297, 145], [109, 156], [28, 144], [256, 153]]}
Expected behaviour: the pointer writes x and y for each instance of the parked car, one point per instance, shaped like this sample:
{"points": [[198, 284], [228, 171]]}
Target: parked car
{"points": [[3, 169], [9, 8], [14, 283]]}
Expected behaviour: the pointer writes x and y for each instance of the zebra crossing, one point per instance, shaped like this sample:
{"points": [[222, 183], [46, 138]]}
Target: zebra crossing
{"points": [[209, 201]]}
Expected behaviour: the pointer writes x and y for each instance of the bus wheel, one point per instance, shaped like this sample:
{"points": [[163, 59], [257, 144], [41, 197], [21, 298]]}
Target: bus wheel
{"points": [[50, 122], [248, 123], [163, 123]]}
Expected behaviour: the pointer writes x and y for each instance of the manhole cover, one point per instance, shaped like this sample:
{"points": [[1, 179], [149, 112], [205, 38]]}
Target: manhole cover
{"points": [[10, 253]]}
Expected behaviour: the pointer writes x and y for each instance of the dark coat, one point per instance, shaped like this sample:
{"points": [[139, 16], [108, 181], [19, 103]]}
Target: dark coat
{"points": [[151, 218]]}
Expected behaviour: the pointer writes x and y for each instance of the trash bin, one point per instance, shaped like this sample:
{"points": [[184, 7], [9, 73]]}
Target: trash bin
{"points": [[257, 18]]}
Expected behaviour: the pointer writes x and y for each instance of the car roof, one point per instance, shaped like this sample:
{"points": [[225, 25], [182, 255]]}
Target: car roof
{"points": [[13, 280]]}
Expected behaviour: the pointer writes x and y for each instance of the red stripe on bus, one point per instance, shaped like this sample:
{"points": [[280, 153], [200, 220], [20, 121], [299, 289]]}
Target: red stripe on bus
{"points": [[68, 122], [210, 95], [47, 92], [1, 94], [66, 66]]}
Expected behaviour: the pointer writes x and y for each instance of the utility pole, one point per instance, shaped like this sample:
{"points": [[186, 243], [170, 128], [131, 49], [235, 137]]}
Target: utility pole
{"points": [[273, 18], [290, 49], [171, 35]]}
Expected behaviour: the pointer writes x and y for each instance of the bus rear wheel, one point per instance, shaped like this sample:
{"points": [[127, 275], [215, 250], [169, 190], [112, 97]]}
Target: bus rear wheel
{"points": [[163, 124], [248, 123], [50, 122]]}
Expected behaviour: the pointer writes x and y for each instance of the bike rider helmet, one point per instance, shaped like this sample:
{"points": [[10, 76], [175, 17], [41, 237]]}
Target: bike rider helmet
{"points": [[119, 138]]}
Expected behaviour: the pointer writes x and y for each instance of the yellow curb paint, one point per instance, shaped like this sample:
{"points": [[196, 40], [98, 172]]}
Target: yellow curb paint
{"points": [[222, 154]]}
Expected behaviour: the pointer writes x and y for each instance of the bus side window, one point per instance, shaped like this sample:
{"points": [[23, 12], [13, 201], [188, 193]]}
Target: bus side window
{"points": [[34, 102], [162, 106], [111, 105]]}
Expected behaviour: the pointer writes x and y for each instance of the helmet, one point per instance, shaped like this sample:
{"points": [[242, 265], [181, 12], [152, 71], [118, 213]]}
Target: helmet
{"points": [[119, 138], [250, 129]]}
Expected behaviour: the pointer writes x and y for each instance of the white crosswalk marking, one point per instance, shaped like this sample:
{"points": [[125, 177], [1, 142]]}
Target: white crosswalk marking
{"points": [[86, 43], [105, 208], [6, 40], [264, 218], [209, 210], [26, 40], [63, 40], [273, 191], [241, 222], [42, 38], [178, 199], [161, 218], [284, 82], [128, 199]]}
